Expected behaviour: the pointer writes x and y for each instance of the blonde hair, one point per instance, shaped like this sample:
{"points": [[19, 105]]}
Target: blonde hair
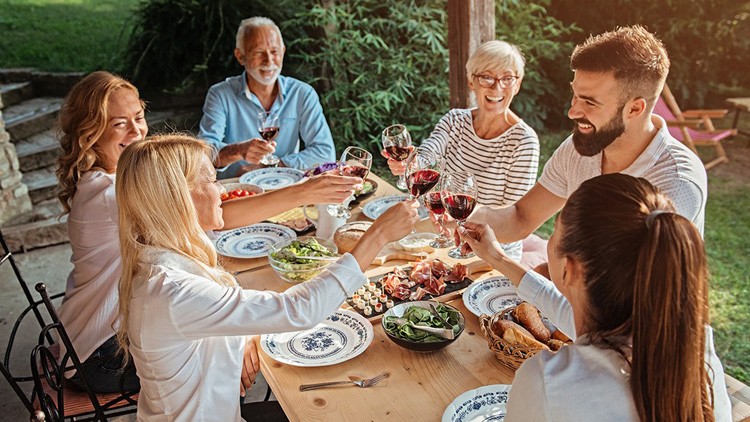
{"points": [[247, 26], [155, 208], [496, 55], [83, 119]]}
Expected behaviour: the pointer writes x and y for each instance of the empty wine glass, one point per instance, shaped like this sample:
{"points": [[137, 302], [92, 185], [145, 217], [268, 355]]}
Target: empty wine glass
{"points": [[434, 203], [355, 161], [459, 195], [397, 143], [268, 126], [422, 171]]}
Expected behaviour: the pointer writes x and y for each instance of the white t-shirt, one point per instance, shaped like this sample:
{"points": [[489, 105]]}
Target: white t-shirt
{"points": [[187, 333], [505, 167], [91, 296], [666, 163], [582, 382]]}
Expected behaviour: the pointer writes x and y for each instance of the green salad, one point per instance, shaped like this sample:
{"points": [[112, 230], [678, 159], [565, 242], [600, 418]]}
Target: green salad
{"points": [[291, 264], [366, 188], [421, 316]]}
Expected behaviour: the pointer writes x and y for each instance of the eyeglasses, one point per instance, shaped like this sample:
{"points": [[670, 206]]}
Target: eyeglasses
{"points": [[486, 81]]}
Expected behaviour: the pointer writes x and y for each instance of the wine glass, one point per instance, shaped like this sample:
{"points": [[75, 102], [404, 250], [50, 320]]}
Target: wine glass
{"points": [[268, 126], [433, 201], [422, 171], [397, 143], [355, 161], [459, 195]]}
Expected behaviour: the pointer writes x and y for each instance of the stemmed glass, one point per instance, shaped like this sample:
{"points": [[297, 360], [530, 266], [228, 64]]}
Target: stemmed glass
{"points": [[422, 171], [397, 143], [434, 203], [268, 126], [459, 195], [354, 162]]}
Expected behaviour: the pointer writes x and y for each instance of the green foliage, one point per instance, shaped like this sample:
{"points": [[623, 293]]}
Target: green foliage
{"points": [[708, 41], [63, 35]]}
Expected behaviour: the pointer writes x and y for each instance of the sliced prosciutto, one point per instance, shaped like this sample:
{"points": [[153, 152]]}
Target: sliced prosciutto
{"points": [[435, 287], [458, 274], [421, 273]]}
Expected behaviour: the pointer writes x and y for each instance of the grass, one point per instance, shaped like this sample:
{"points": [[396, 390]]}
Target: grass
{"points": [[64, 35]]}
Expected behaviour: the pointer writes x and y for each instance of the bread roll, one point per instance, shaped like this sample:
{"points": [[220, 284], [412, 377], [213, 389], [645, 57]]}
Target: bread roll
{"points": [[348, 235], [555, 344], [559, 335], [517, 335], [528, 315]]}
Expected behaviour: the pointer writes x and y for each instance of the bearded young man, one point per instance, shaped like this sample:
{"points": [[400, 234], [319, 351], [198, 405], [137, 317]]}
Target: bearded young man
{"points": [[619, 75], [231, 111]]}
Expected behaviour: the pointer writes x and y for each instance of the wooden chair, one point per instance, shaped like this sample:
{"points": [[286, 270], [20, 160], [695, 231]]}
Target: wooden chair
{"points": [[694, 128], [72, 402]]}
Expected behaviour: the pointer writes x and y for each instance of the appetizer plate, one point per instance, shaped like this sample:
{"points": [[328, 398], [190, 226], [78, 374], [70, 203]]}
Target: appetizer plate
{"points": [[482, 404], [361, 197], [273, 177], [342, 336], [490, 296], [252, 241], [375, 208]]}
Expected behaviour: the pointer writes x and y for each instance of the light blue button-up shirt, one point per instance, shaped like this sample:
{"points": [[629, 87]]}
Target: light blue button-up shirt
{"points": [[230, 115]]}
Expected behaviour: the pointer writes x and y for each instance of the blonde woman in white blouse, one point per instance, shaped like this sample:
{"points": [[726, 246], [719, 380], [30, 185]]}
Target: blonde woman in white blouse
{"points": [[184, 320]]}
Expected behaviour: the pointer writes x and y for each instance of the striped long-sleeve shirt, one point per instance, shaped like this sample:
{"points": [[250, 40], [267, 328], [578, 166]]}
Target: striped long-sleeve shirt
{"points": [[505, 167]]}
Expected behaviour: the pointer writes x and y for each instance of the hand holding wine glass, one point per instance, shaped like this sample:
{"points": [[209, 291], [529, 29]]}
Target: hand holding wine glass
{"points": [[422, 171], [434, 203], [459, 195], [397, 144], [355, 161], [268, 126]]}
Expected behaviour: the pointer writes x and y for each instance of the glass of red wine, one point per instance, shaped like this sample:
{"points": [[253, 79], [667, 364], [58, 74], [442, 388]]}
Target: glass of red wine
{"points": [[422, 171], [355, 161], [433, 201], [397, 143], [459, 195], [268, 126]]}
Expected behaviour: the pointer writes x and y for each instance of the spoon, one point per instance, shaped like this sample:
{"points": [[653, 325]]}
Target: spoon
{"points": [[440, 332]]}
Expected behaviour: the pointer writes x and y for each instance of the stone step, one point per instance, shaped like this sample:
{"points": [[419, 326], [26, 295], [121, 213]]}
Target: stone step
{"points": [[41, 227], [37, 151], [42, 183], [31, 117], [14, 93]]}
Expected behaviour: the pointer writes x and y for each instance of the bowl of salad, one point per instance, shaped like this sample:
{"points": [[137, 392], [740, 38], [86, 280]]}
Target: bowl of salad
{"points": [[419, 313], [287, 257]]}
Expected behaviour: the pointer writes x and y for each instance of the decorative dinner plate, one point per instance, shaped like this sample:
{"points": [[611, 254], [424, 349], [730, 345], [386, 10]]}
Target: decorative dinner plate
{"points": [[342, 336], [490, 296], [273, 177], [482, 404], [252, 241], [375, 208]]}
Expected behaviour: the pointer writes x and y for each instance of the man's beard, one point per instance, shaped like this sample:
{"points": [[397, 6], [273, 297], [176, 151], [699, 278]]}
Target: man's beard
{"points": [[255, 74], [589, 145]]}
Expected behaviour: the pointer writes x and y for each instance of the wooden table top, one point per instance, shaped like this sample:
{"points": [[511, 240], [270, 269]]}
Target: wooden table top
{"points": [[740, 103], [421, 385]]}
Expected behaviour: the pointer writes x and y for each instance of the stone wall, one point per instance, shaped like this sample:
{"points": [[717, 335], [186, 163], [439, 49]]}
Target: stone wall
{"points": [[14, 195]]}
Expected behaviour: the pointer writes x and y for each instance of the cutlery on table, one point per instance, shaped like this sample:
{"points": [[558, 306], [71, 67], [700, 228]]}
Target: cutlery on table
{"points": [[363, 383], [440, 332]]}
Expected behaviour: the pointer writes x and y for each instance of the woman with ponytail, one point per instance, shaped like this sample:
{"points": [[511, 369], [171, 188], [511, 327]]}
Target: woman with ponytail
{"points": [[630, 286]]}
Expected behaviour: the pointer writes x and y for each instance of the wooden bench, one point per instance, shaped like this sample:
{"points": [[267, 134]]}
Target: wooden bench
{"points": [[739, 395]]}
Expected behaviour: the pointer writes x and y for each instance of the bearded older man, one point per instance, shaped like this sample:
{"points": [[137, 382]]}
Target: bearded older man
{"points": [[619, 75], [231, 111]]}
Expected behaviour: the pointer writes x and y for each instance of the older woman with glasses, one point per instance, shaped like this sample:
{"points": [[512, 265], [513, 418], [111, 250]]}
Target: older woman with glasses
{"points": [[490, 140]]}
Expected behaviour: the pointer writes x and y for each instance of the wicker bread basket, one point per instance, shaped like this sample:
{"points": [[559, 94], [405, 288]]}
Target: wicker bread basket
{"points": [[511, 355]]}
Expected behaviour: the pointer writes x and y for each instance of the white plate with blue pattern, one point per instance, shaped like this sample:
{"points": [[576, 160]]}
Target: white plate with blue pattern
{"points": [[490, 296], [271, 178], [252, 241], [482, 404], [342, 336], [376, 207]]}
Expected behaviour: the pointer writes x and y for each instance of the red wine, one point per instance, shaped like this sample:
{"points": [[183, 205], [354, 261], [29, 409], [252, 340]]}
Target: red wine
{"points": [[421, 181], [459, 206], [269, 133], [357, 171], [398, 153], [433, 202]]}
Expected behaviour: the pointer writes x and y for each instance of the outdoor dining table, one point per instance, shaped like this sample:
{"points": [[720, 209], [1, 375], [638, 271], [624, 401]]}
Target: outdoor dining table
{"points": [[420, 386]]}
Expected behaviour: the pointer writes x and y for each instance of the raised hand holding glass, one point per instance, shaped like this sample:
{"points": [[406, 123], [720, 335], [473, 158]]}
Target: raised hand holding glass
{"points": [[397, 143], [354, 162], [268, 126], [422, 171], [459, 195]]}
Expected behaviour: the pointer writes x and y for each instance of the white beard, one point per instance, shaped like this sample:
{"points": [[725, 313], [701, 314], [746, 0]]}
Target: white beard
{"points": [[270, 80]]}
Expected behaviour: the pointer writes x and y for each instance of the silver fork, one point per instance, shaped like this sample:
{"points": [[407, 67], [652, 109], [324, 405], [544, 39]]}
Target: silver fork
{"points": [[364, 383]]}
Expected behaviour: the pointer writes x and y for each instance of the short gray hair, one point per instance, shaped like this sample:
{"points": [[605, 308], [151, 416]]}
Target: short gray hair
{"points": [[496, 55], [251, 24]]}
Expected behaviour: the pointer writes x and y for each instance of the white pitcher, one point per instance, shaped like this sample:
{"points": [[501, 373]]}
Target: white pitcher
{"points": [[325, 224]]}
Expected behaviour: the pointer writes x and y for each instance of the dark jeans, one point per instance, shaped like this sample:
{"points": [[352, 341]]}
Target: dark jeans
{"points": [[265, 411], [105, 373]]}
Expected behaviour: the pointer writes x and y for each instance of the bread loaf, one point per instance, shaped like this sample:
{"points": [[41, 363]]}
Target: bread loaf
{"points": [[528, 315], [559, 335], [348, 235]]}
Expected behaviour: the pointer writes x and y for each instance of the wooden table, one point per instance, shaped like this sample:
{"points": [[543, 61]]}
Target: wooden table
{"points": [[421, 385], [740, 105]]}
